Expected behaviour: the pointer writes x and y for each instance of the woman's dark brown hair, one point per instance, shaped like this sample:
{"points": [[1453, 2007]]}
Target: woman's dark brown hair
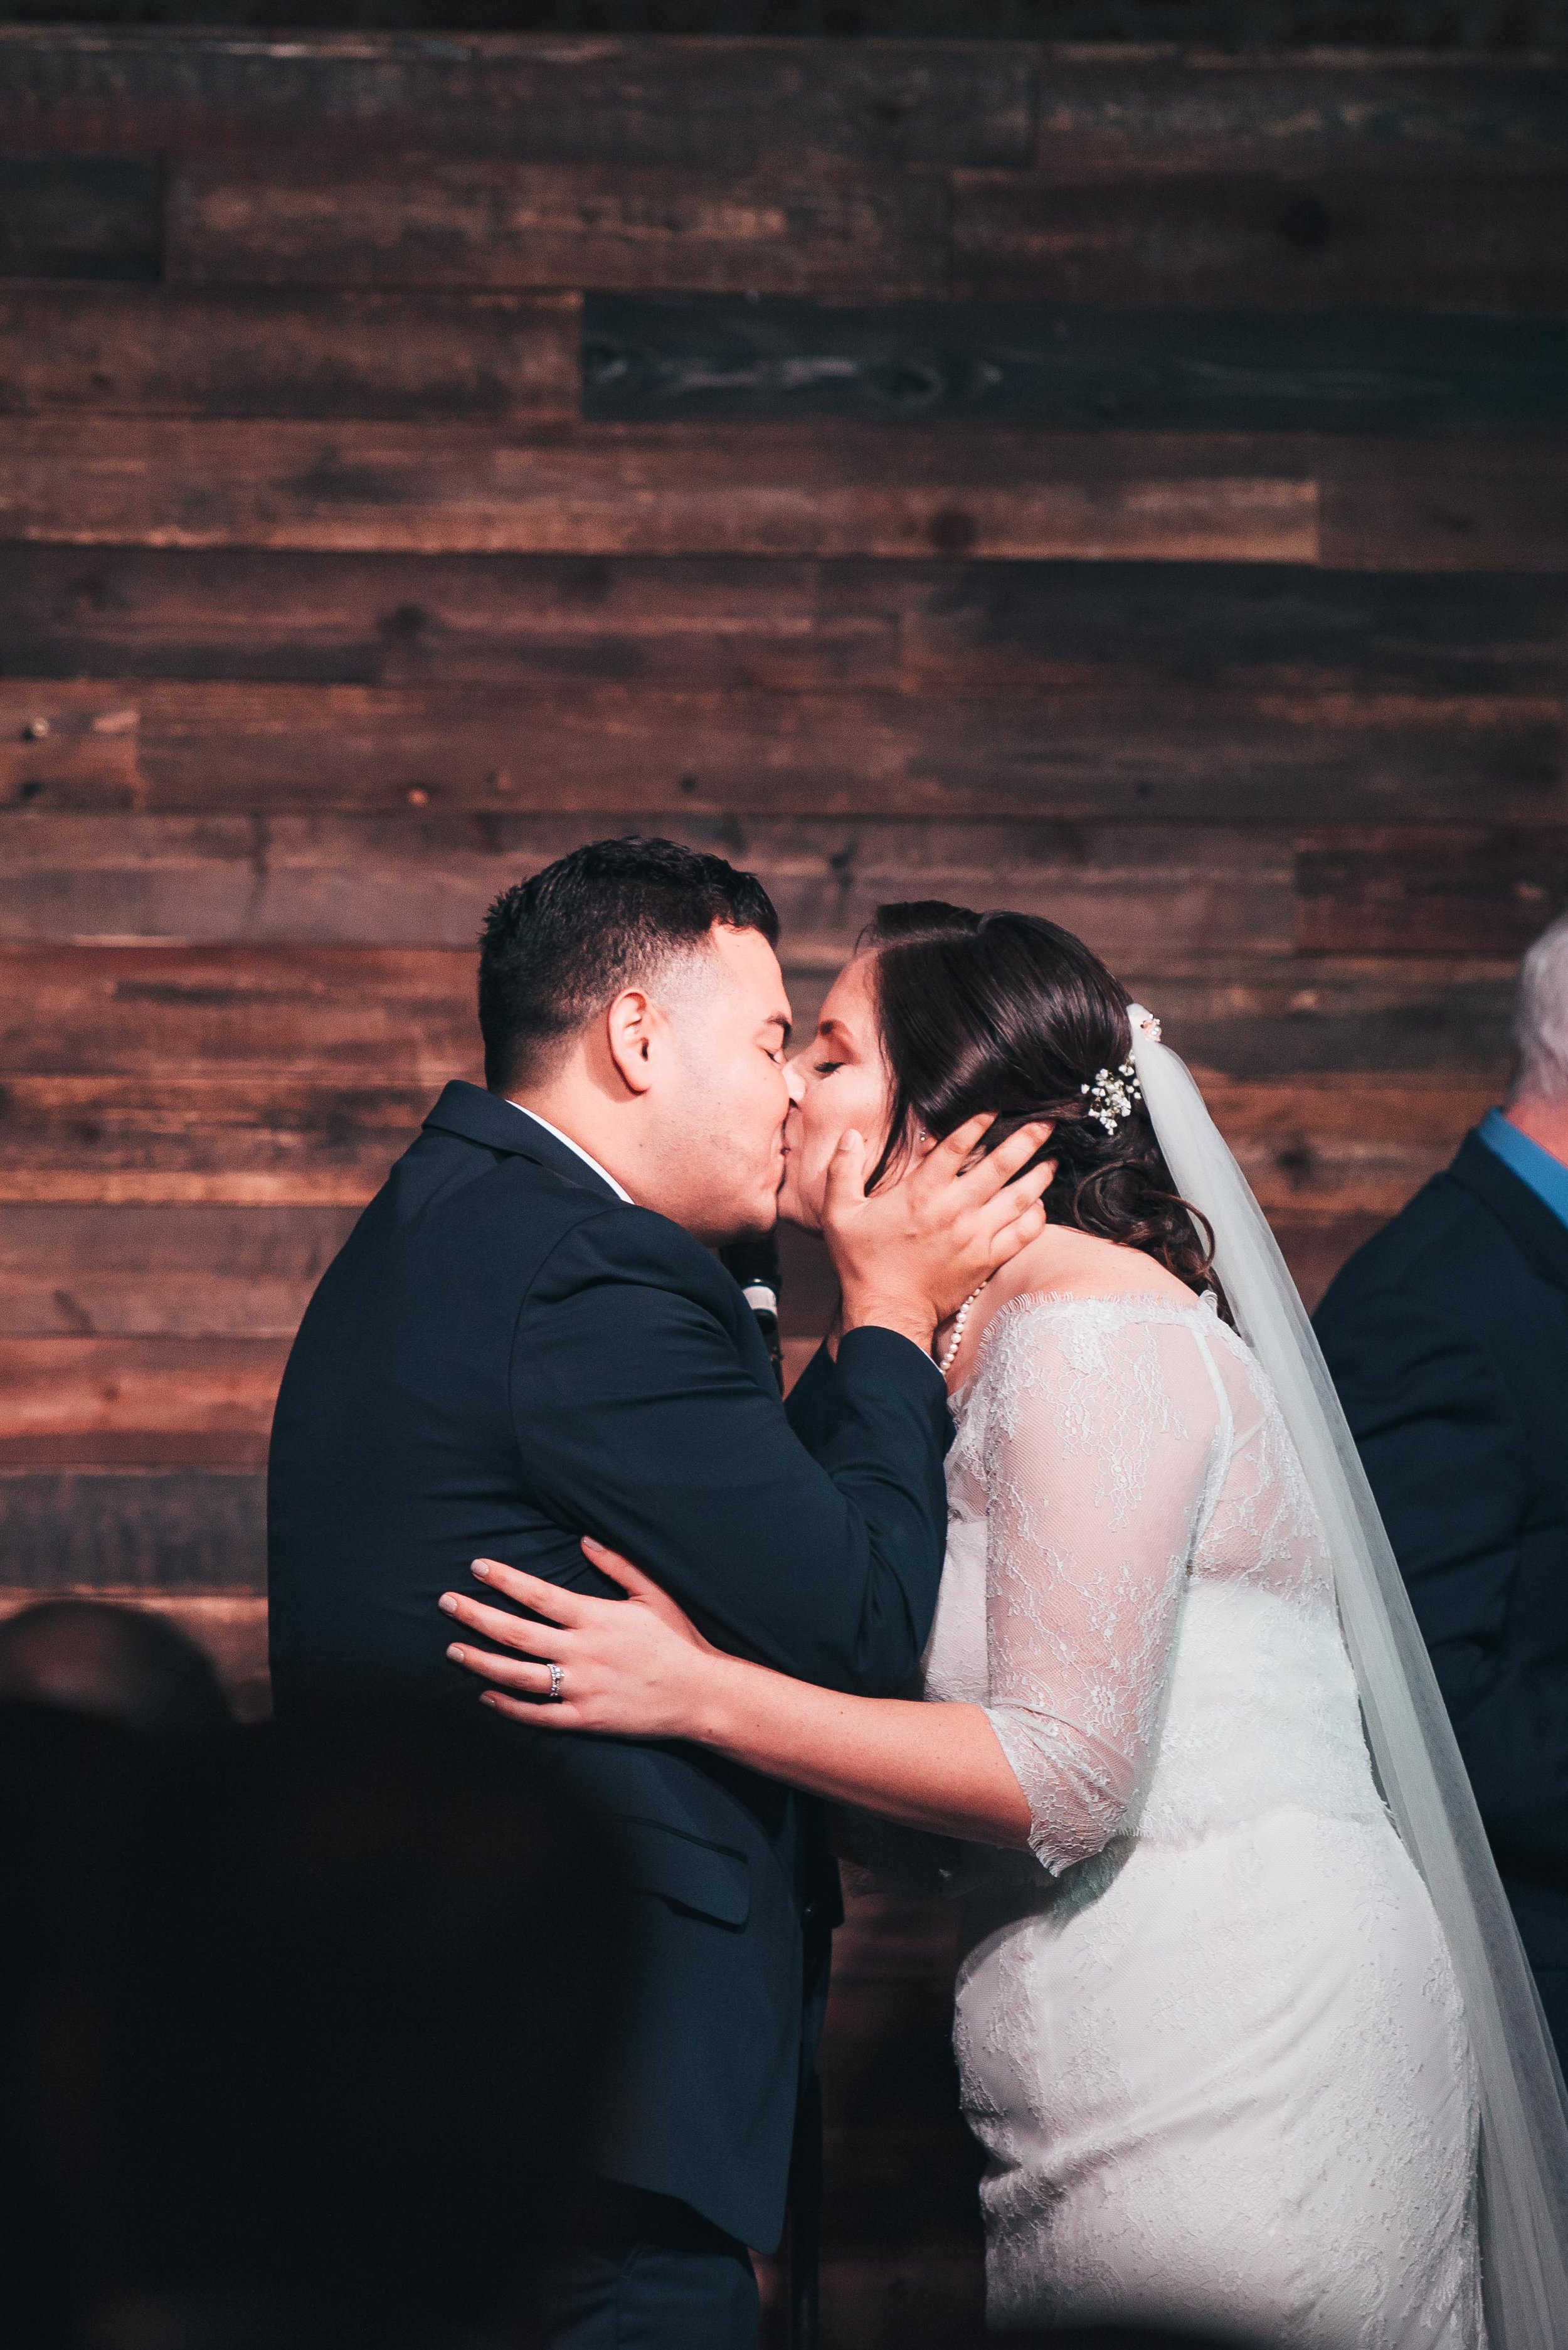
{"points": [[1011, 1013]]}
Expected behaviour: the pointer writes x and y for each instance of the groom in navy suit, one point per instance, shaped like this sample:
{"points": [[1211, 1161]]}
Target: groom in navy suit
{"points": [[526, 1338]]}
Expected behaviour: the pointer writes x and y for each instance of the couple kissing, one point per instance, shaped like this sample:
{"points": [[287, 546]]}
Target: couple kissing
{"points": [[1053, 1557]]}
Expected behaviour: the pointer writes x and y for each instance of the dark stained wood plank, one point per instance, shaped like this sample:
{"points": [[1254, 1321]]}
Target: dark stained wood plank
{"points": [[1101, 112], [1455, 505], [230, 1628], [647, 359], [134, 1272], [1332, 1018], [512, 620], [1007, 625], [263, 1141], [136, 1393], [928, 104], [801, 489], [736, 624], [1460, 890], [81, 217], [1163, 892], [1111, 110], [137, 1532], [447, 222], [1299, 749], [1356, 241], [364, 1021], [169, 352], [807, 489], [1327, 1150]]}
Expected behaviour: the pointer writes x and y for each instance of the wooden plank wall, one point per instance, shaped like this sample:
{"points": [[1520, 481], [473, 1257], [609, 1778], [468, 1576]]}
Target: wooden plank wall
{"points": [[1124, 483]]}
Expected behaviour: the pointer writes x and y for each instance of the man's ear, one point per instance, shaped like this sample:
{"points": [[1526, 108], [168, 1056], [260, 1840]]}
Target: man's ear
{"points": [[630, 1025]]}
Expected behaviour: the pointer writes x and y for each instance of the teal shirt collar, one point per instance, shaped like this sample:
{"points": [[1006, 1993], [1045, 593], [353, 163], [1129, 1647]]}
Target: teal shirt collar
{"points": [[1547, 1177]]}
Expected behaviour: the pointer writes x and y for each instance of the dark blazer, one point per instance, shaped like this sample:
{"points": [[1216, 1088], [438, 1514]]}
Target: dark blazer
{"points": [[505, 1356], [1448, 1338]]}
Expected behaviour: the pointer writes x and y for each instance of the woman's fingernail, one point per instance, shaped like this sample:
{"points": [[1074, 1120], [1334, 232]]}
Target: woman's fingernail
{"points": [[489, 1698], [482, 1568], [456, 1655], [448, 1604]]}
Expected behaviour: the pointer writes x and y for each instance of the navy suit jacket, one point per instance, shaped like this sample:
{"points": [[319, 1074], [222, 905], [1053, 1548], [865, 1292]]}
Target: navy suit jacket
{"points": [[1447, 1336], [505, 1356]]}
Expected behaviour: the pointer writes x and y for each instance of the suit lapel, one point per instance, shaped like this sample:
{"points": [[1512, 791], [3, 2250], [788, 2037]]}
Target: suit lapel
{"points": [[497, 1125], [1542, 1236]]}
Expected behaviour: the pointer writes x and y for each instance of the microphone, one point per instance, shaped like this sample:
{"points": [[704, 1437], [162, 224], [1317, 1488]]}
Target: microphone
{"points": [[755, 1263]]}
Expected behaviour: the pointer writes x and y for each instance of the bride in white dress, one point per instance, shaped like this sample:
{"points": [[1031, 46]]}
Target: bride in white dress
{"points": [[1215, 2052], [1227, 2046]]}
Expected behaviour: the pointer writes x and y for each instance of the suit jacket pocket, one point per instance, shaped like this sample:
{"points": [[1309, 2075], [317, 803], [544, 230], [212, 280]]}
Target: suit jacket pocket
{"points": [[710, 1878]]}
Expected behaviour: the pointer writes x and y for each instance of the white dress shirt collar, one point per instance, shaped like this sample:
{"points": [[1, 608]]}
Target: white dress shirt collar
{"points": [[587, 1157]]}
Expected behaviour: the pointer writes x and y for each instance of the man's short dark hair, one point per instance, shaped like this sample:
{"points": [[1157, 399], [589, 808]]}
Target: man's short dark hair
{"points": [[560, 946]]}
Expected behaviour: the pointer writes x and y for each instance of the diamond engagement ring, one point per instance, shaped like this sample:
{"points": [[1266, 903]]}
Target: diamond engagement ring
{"points": [[556, 1677]]}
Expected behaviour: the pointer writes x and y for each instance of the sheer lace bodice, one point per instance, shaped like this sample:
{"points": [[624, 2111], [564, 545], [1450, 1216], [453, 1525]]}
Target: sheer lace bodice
{"points": [[1158, 1648]]}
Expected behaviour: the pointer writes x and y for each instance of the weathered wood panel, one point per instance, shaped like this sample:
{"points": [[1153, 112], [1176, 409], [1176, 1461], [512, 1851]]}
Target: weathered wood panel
{"points": [[489, 619], [717, 102], [813, 488], [775, 623], [81, 217], [137, 1531], [1332, 1018], [1008, 625], [1356, 240], [1302, 750], [808, 489], [1079, 112], [83, 1031], [1464, 512], [370, 1021], [1466, 889], [1158, 893], [650, 359], [139, 1392], [131, 1272], [444, 222], [170, 352], [260, 1139], [1106, 113]]}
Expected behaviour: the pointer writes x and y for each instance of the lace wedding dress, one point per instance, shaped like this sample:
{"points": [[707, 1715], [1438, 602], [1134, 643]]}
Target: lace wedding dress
{"points": [[1209, 2030]]}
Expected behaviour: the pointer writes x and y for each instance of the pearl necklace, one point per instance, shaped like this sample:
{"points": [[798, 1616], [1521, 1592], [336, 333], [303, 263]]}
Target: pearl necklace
{"points": [[949, 1352]]}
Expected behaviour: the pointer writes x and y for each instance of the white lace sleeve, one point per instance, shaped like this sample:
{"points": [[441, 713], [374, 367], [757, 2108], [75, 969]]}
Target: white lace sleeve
{"points": [[1101, 1430]]}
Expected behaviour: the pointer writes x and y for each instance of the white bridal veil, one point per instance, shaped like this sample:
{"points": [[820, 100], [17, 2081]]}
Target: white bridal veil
{"points": [[1524, 2107]]}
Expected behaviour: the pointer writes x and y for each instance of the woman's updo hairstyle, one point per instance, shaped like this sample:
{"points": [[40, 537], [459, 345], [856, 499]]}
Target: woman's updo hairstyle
{"points": [[1011, 1013]]}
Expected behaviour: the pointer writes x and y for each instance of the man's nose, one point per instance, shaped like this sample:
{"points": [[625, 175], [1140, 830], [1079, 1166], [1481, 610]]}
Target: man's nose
{"points": [[794, 1081]]}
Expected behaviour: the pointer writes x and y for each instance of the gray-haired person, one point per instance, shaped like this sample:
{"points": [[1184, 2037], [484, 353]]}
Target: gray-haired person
{"points": [[1448, 1338]]}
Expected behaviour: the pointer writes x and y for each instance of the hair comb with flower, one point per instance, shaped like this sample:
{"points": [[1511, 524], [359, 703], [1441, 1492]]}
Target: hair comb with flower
{"points": [[1113, 1095]]}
